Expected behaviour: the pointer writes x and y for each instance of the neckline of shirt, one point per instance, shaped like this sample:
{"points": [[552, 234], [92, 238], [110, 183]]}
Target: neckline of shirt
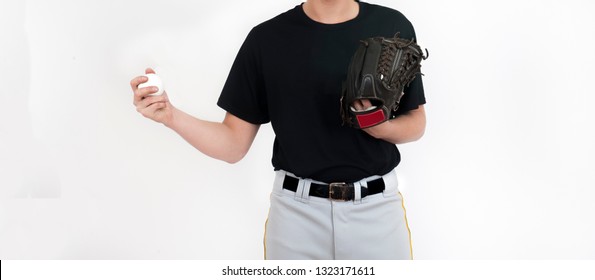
{"points": [[306, 19]]}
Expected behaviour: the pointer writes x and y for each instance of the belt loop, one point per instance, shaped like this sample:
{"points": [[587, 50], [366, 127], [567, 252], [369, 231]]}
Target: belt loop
{"points": [[302, 193], [279, 178], [357, 192], [391, 183], [306, 190], [364, 184], [298, 192]]}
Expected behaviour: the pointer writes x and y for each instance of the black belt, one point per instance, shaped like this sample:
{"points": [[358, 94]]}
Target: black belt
{"points": [[336, 191]]}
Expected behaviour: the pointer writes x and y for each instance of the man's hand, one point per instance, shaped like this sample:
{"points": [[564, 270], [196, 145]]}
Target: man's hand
{"points": [[157, 107], [361, 104]]}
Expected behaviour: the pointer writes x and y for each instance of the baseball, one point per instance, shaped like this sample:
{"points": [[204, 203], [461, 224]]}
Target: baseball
{"points": [[155, 81]]}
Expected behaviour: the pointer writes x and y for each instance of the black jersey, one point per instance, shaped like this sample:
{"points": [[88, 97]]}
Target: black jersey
{"points": [[290, 70]]}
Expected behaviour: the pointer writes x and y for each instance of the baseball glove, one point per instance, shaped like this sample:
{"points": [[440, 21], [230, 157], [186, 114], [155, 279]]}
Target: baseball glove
{"points": [[379, 71]]}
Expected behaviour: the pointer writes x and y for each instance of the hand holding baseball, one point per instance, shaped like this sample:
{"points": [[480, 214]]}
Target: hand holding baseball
{"points": [[155, 81], [150, 98]]}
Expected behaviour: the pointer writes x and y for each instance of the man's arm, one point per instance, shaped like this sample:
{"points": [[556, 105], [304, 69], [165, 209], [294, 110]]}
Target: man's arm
{"points": [[228, 140], [405, 128]]}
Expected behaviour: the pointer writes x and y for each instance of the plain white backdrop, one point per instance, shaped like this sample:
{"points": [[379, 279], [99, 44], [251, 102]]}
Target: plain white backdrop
{"points": [[504, 171]]}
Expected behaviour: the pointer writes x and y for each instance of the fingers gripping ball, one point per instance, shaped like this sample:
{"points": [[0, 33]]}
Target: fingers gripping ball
{"points": [[153, 81]]}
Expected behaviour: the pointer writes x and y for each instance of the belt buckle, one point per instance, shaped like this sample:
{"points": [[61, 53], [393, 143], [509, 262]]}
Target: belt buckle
{"points": [[339, 191]]}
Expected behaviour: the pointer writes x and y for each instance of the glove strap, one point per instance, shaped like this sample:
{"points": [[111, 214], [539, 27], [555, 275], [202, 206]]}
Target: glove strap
{"points": [[369, 119]]}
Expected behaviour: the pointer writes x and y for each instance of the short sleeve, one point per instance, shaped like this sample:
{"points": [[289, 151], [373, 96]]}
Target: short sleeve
{"points": [[414, 92], [243, 94]]}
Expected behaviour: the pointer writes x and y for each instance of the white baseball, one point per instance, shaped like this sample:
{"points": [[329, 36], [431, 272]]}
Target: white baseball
{"points": [[154, 81]]}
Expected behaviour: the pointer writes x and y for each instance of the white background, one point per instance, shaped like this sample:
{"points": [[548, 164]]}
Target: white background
{"points": [[504, 171]]}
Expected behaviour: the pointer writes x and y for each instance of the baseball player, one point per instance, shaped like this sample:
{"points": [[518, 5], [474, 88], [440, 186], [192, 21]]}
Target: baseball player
{"points": [[335, 193]]}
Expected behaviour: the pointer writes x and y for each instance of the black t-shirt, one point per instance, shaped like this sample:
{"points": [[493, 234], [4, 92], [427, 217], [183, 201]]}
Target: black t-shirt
{"points": [[290, 70]]}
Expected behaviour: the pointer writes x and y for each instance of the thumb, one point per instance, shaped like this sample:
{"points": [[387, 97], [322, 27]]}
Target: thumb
{"points": [[149, 71]]}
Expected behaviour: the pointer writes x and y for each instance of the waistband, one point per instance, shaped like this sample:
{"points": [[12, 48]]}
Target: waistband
{"points": [[305, 188]]}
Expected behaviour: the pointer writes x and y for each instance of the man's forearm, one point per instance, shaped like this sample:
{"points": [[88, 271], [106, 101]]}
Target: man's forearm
{"points": [[225, 140], [406, 128]]}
